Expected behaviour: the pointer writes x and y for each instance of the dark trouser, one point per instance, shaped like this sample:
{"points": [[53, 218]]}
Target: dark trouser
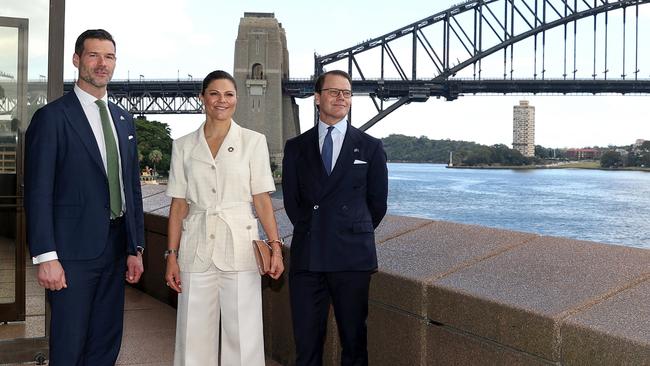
{"points": [[311, 294], [87, 316]]}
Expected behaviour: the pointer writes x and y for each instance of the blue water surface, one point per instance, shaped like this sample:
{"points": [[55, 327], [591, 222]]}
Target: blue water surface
{"points": [[604, 206]]}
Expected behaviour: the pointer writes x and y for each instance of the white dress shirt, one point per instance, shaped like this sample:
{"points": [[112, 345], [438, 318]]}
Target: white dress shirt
{"points": [[338, 134], [91, 110]]}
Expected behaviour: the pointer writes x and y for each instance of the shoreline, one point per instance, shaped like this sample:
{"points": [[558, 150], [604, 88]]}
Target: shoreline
{"points": [[567, 166], [570, 165]]}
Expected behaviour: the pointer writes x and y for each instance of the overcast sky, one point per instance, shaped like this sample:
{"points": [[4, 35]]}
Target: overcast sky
{"points": [[170, 38]]}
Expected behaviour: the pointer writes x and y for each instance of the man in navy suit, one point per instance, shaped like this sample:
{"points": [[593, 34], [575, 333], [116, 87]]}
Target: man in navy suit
{"points": [[335, 185], [85, 226]]}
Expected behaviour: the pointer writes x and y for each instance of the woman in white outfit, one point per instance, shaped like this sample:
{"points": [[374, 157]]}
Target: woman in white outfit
{"points": [[216, 173]]}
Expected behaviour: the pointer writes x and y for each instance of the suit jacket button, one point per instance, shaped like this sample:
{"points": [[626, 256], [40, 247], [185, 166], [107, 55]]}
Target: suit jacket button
{"points": [[214, 190], [344, 208], [315, 207], [211, 236]]}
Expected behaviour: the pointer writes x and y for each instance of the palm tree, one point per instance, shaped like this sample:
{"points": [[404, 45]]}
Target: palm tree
{"points": [[155, 156]]}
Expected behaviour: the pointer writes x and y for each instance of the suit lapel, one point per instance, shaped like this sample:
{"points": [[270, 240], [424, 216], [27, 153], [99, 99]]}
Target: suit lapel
{"points": [[231, 147], [77, 119], [201, 150], [312, 155]]}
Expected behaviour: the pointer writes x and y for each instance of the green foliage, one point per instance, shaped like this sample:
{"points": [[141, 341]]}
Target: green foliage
{"points": [[611, 159], [421, 149], [542, 152], [645, 145], [155, 156], [644, 160], [154, 144]]}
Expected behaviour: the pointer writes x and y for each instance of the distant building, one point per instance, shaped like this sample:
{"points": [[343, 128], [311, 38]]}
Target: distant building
{"points": [[523, 128], [583, 154]]}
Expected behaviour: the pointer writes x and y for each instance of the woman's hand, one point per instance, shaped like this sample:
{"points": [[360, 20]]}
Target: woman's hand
{"points": [[172, 274], [277, 265]]}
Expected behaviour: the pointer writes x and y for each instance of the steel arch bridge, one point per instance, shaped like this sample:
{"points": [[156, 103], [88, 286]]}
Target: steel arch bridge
{"points": [[475, 47], [562, 47]]}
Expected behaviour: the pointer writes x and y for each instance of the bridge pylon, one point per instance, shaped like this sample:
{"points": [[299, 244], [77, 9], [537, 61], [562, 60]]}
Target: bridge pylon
{"points": [[261, 63]]}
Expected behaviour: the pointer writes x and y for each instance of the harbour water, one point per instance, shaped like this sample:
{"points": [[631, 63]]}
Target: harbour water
{"points": [[603, 206]]}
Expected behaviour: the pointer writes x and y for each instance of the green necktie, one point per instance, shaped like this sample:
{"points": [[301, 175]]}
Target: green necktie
{"points": [[112, 165]]}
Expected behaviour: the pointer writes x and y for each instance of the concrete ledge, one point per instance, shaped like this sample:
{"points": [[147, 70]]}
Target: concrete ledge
{"points": [[449, 293]]}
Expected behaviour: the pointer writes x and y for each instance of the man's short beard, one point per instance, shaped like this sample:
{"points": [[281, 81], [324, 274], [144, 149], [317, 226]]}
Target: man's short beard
{"points": [[92, 82]]}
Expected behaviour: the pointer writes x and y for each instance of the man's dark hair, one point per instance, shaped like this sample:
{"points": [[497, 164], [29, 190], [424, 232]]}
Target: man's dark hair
{"points": [[217, 75], [91, 34], [321, 79]]}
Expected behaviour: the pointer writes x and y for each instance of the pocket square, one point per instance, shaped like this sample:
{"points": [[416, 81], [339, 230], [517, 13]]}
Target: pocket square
{"points": [[360, 162], [130, 137]]}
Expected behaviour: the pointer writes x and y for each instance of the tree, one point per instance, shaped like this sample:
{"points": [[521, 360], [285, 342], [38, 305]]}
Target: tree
{"points": [[611, 159], [155, 156], [644, 160], [154, 135], [645, 145]]}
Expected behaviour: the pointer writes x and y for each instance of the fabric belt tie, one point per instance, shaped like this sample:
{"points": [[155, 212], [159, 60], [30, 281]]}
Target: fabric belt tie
{"points": [[218, 211]]}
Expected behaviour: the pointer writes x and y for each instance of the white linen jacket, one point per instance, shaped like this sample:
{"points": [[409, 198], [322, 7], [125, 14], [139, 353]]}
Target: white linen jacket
{"points": [[220, 225]]}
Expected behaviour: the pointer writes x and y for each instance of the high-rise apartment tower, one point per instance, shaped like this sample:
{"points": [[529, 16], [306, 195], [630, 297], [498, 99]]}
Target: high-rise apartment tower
{"points": [[523, 128]]}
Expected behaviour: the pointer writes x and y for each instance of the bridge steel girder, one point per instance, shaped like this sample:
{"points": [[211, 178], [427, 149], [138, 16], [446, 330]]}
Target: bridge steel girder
{"points": [[416, 90], [154, 96], [535, 17]]}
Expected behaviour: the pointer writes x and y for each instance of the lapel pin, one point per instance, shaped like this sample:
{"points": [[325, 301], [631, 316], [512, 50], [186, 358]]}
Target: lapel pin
{"points": [[356, 149], [121, 118], [231, 149]]}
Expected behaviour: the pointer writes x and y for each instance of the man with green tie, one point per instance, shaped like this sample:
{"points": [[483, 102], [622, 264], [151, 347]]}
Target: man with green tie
{"points": [[83, 203]]}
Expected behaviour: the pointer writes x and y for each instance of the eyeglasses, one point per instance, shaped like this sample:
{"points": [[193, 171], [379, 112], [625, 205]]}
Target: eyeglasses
{"points": [[334, 93]]}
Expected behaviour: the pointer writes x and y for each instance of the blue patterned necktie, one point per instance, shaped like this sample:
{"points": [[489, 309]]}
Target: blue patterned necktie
{"points": [[326, 153], [112, 165]]}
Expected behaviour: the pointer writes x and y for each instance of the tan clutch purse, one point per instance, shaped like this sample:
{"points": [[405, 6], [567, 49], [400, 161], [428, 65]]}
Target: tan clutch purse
{"points": [[262, 256]]}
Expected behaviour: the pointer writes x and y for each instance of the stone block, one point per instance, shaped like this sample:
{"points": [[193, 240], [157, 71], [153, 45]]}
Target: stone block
{"points": [[519, 297], [278, 331], [149, 190], [153, 200], [409, 261], [394, 226], [447, 346], [395, 338], [615, 331]]}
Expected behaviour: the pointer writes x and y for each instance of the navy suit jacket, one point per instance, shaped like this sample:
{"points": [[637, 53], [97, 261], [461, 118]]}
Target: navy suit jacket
{"points": [[66, 187], [334, 216]]}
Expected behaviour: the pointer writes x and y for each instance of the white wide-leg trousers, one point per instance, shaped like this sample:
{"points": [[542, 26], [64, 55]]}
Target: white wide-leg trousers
{"points": [[235, 298]]}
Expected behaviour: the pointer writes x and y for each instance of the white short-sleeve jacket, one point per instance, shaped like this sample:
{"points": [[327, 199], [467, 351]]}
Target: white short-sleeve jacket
{"points": [[220, 225]]}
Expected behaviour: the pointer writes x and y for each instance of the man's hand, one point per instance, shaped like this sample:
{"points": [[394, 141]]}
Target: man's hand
{"points": [[51, 275], [134, 268]]}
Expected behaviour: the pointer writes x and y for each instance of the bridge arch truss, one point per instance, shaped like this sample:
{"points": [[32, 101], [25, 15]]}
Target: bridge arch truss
{"points": [[501, 46]]}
